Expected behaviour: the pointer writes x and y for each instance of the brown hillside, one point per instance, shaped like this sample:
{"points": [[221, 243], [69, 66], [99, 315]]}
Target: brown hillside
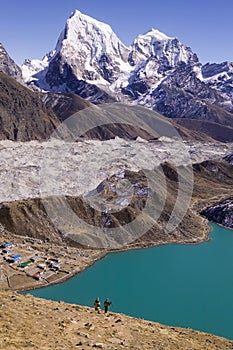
{"points": [[212, 181], [23, 116], [65, 105], [218, 132]]}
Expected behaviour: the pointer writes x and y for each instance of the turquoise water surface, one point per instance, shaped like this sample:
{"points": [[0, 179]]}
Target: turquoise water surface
{"points": [[179, 285]]}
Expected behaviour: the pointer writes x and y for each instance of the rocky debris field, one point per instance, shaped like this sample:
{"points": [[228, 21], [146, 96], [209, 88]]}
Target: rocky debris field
{"points": [[38, 169], [30, 323]]}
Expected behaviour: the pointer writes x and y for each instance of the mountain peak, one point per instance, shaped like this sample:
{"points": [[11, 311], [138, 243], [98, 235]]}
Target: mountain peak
{"points": [[157, 46], [3, 52], [81, 32], [93, 63], [79, 24], [87, 50], [8, 66], [79, 18], [157, 34]]}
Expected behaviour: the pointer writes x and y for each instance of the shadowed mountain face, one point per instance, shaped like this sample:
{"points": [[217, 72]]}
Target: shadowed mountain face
{"points": [[64, 105], [23, 116], [203, 130]]}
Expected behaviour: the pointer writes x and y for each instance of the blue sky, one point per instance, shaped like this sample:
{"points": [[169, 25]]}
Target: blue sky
{"points": [[30, 28]]}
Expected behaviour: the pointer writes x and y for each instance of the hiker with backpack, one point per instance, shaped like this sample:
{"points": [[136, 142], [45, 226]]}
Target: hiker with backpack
{"points": [[107, 303], [97, 304]]}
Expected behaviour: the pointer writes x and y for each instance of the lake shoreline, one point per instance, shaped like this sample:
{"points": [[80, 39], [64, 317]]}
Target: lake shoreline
{"points": [[196, 208], [205, 238], [178, 281]]}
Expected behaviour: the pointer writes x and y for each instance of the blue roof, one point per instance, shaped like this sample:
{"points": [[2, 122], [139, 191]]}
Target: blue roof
{"points": [[17, 256], [4, 245]]}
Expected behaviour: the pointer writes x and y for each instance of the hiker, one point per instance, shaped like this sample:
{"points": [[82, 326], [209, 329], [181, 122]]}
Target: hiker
{"points": [[107, 303], [97, 304]]}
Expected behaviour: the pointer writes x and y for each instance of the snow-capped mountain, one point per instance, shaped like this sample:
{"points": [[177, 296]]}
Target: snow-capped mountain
{"points": [[220, 77], [88, 57], [8, 66], [156, 71], [154, 56], [89, 51], [92, 50], [32, 67], [157, 45]]}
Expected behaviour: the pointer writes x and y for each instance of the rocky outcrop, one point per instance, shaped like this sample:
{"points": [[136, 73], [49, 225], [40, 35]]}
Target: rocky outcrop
{"points": [[8, 66], [219, 76], [183, 95], [229, 158], [221, 213]]}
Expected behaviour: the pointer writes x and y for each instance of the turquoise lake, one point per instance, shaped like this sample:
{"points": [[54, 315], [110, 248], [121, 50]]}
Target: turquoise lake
{"points": [[179, 285]]}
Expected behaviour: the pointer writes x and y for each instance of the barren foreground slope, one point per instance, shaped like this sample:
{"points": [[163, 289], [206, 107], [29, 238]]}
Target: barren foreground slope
{"points": [[30, 323]]}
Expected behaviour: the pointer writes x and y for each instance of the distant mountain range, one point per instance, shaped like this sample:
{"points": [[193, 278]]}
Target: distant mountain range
{"points": [[156, 71]]}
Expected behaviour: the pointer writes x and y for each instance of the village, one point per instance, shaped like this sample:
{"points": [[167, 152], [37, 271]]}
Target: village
{"points": [[28, 263]]}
